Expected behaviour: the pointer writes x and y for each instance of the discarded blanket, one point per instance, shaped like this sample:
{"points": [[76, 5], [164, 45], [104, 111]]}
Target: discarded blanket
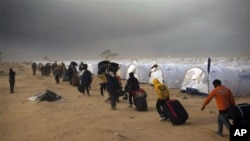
{"points": [[47, 96]]}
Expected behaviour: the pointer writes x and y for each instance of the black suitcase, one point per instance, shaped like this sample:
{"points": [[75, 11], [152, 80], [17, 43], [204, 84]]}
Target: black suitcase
{"points": [[140, 93], [239, 111], [240, 122], [141, 104], [175, 112]]}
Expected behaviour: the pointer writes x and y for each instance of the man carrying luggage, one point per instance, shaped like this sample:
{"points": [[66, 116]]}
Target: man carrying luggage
{"points": [[162, 92], [224, 99], [113, 88], [131, 85]]}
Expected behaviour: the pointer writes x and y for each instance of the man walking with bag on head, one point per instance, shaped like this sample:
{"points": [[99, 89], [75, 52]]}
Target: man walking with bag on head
{"points": [[224, 99], [113, 88]]}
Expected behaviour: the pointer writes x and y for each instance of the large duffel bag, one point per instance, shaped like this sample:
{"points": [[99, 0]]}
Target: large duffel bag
{"points": [[239, 111], [175, 112], [113, 67], [102, 66]]}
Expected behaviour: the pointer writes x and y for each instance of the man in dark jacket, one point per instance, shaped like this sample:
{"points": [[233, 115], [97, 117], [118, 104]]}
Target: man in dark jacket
{"points": [[113, 88], [86, 80], [12, 75], [34, 68], [57, 75], [132, 84]]}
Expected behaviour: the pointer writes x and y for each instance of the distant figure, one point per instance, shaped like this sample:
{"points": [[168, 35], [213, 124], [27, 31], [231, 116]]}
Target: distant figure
{"points": [[103, 83], [57, 75], [70, 73], [86, 80], [131, 85], [162, 92], [113, 88], [33, 66], [224, 99], [12, 75], [120, 84]]}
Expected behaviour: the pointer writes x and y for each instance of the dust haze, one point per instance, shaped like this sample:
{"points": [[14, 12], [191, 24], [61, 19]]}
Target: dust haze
{"points": [[83, 29]]}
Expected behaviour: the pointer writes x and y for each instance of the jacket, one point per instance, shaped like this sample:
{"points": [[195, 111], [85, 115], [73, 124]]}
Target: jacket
{"points": [[223, 96], [113, 85], [132, 83], [161, 90]]}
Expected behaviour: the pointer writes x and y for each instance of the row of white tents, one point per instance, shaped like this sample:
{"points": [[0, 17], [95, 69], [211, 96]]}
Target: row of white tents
{"points": [[184, 75]]}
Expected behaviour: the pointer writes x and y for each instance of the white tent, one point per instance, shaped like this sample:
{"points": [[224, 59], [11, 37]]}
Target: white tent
{"points": [[174, 74], [140, 70], [170, 74], [123, 68], [234, 78]]}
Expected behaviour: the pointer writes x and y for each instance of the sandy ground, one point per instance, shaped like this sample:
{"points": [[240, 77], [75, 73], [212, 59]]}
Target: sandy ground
{"points": [[83, 118]]}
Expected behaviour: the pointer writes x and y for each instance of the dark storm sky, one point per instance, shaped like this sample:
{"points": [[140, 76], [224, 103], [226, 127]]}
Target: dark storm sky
{"points": [[83, 29]]}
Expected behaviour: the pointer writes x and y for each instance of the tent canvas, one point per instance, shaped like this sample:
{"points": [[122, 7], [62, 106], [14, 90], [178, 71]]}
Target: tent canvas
{"points": [[170, 74], [174, 74], [140, 71], [123, 69], [198, 78]]}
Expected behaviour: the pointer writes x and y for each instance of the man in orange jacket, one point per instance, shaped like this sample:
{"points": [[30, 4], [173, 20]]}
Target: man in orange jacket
{"points": [[224, 99]]}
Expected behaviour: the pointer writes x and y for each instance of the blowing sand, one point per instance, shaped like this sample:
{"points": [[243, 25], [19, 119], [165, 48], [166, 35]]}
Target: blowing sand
{"points": [[88, 118]]}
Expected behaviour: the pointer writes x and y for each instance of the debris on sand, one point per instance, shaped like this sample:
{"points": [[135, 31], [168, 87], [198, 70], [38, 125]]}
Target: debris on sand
{"points": [[47, 96]]}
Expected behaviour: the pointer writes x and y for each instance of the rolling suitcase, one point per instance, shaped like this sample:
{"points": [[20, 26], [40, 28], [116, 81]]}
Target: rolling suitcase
{"points": [[240, 122], [239, 111], [175, 112], [141, 104], [140, 93]]}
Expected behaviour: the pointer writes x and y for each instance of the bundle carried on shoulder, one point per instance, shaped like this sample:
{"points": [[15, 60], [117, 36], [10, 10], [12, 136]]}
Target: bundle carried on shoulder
{"points": [[113, 67], [102, 66]]}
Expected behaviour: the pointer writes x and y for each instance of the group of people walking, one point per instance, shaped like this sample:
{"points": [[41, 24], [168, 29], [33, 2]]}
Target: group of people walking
{"points": [[110, 82]]}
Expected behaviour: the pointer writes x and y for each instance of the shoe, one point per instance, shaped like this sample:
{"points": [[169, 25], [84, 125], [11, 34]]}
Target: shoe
{"points": [[218, 134], [163, 118], [130, 106], [113, 108]]}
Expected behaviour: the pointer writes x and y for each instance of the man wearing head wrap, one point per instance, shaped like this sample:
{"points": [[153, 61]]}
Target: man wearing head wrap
{"points": [[162, 92]]}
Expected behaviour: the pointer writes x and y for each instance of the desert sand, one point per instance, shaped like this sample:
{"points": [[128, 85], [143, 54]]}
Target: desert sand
{"points": [[88, 118]]}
